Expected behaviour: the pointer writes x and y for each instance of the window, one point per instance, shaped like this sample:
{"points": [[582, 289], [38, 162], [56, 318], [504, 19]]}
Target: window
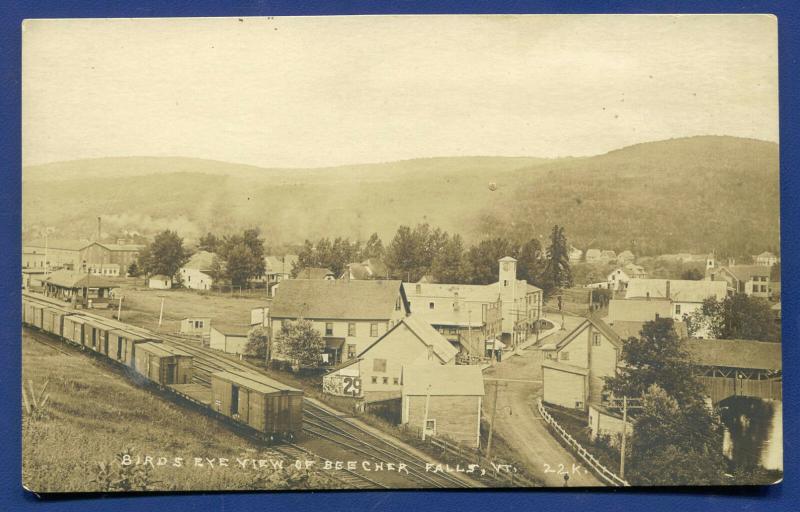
{"points": [[379, 365], [396, 380], [431, 305], [373, 330], [397, 304], [351, 329], [386, 380], [351, 351], [374, 379], [763, 288], [565, 356], [579, 405], [677, 309], [419, 289], [430, 426], [328, 328], [198, 324], [596, 339], [505, 282]]}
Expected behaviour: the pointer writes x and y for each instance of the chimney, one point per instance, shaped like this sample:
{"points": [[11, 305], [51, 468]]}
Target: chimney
{"points": [[668, 289], [99, 224], [648, 295]]}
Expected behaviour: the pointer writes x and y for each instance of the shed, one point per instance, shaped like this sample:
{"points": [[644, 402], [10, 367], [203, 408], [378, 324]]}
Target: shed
{"points": [[258, 401], [444, 400], [565, 385], [159, 282], [196, 325], [163, 363], [78, 288], [229, 338]]}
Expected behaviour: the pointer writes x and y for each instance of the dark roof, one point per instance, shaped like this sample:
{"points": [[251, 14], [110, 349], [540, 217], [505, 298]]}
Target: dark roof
{"points": [[638, 310], [119, 247], [336, 299], [627, 329], [53, 243], [71, 279], [202, 260], [760, 355], [254, 381]]}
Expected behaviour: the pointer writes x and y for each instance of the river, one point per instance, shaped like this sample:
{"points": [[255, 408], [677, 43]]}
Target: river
{"points": [[753, 432]]}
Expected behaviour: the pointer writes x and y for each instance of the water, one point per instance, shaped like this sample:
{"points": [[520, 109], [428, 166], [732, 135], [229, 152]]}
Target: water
{"points": [[753, 432]]}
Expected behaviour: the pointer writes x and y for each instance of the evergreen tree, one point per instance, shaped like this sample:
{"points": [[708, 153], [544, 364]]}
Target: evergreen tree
{"points": [[557, 273], [373, 248], [449, 265], [208, 242]]}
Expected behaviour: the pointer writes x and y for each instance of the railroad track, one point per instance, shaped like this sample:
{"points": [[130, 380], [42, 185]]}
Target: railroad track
{"points": [[317, 421], [37, 336], [349, 479]]}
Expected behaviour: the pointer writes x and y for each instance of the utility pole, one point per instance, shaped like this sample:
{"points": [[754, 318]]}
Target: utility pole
{"points": [[624, 437], [427, 405], [491, 420], [119, 311], [161, 313]]}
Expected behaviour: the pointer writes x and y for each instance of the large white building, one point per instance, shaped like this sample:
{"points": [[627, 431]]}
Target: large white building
{"points": [[196, 273], [520, 302]]}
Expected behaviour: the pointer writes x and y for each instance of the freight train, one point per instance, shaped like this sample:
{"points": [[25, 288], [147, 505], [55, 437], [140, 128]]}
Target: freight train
{"points": [[249, 400]]}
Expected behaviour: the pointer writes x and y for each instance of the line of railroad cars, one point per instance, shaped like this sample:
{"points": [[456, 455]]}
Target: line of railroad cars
{"points": [[249, 398]]}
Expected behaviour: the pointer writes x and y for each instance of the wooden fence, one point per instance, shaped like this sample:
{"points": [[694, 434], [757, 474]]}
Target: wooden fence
{"points": [[603, 472]]}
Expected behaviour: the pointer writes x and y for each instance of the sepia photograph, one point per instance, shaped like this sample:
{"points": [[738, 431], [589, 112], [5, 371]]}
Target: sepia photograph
{"points": [[400, 252]]}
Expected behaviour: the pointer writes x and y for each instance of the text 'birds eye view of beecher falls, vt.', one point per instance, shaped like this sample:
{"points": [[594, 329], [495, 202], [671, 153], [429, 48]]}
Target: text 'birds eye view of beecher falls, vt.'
{"points": [[400, 252]]}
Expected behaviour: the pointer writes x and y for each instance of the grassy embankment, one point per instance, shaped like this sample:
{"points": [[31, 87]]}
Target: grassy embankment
{"points": [[93, 414]]}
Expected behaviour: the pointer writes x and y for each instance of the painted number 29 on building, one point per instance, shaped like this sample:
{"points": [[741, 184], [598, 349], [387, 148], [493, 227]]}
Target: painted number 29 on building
{"points": [[352, 386]]}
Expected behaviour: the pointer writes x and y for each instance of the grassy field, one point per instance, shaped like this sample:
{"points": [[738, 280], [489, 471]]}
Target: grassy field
{"points": [[141, 305], [93, 415]]}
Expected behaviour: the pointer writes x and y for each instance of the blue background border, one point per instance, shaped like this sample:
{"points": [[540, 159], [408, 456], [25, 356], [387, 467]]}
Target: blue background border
{"points": [[781, 497]]}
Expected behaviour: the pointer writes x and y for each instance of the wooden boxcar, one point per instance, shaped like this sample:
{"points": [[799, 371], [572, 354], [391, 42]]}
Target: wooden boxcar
{"points": [[163, 363], [53, 321], [258, 401], [73, 328], [122, 346], [96, 336], [37, 316]]}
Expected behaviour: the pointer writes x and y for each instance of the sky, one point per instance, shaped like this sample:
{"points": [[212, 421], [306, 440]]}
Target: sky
{"points": [[325, 91]]}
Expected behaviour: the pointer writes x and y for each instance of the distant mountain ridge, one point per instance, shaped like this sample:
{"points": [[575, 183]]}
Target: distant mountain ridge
{"points": [[696, 193]]}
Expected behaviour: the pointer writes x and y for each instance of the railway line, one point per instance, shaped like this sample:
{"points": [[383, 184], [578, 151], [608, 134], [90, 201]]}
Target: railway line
{"points": [[317, 421]]}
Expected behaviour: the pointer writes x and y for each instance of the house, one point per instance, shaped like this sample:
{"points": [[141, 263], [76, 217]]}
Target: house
{"points": [[33, 279], [574, 377], [196, 274], [467, 325], [259, 316], [618, 278], [594, 256], [608, 256], [371, 268], [765, 259], [625, 257], [316, 273], [379, 367], [752, 280], [78, 288], [687, 296], [196, 325], [159, 282], [520, 302], [575, 254], [279, 268], [444, 401], [349, 315], [230, 338]]}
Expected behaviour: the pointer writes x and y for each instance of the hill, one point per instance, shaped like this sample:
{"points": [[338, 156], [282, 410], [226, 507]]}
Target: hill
{"points": [[693, 194]]}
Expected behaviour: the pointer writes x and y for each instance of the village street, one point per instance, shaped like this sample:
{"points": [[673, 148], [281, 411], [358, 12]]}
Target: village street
{"points": [[518, 422]]}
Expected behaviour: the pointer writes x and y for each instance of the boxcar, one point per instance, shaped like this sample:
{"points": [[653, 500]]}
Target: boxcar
{"points": [[122, 346], [53, 321], [163, 364], [258, 401], [73, 328], [38, 316], [96, 334]]}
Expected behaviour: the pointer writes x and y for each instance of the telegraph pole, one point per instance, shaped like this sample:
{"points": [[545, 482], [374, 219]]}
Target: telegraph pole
{"points": [[427, 405], [624, 437], [161, 313], [491, 420], [119, 311]]}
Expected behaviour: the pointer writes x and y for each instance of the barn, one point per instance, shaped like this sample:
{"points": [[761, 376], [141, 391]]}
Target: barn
{"points": [[444, 401], [564, 384], [258, 401], [159, 282], [229, 338], [196, 325]]}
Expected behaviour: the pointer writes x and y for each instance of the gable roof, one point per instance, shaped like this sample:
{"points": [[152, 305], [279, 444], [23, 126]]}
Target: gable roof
{"points": [[761, 355], [429, 337], [449, 380], [336, 299], [598, 324], [564, 367], [681, 290], [631, 329], [280, 265], [632, 268], [745, 273], [229, 329], [54, 243], [766, 254], [201, 260], [119, 247], [73, 279], [469, 292]]}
